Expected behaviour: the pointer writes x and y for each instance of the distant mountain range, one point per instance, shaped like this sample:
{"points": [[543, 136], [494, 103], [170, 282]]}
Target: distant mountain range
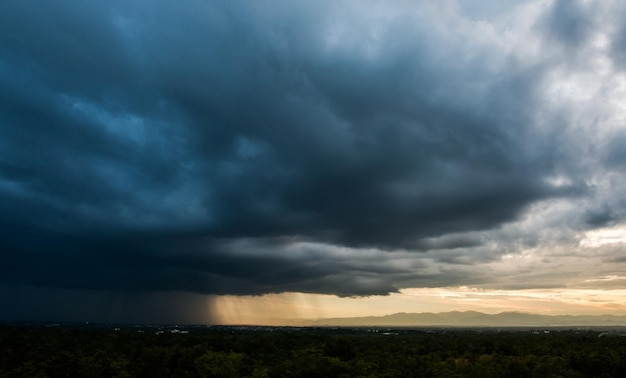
{"points": [[469, 319]]}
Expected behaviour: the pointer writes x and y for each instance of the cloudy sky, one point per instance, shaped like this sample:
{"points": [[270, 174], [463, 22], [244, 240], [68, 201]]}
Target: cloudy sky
{"points": [[233, 160]]}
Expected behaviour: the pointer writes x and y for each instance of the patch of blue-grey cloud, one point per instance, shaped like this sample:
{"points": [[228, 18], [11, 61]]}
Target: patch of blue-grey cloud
{"points": [[144, 146], [569, 22]]}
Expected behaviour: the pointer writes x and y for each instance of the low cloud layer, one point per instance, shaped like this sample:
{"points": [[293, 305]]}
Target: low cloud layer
{"points": [[333, 147]]}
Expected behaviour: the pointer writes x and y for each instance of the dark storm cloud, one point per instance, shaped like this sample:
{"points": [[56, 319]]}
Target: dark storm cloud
{"points": [[615, 152], [618, 39], [570, 22], [141, 144], [601, 216]]}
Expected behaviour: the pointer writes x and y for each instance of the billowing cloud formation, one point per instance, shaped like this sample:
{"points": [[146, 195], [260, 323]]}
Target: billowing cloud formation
{"points": [[334, 147]]}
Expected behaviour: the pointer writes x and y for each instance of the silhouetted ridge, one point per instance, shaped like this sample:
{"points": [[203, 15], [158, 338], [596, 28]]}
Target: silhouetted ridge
{"points": [[473, 319]]}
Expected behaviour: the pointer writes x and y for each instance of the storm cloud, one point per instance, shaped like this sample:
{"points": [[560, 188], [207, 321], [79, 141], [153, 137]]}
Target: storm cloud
{"points": [[345, 148]]}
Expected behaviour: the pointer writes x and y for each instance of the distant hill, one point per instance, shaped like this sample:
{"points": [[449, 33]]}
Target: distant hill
{"points": [[470, 319]]}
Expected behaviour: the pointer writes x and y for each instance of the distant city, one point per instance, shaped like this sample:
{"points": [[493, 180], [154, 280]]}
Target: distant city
{"points": [[453, 319]]}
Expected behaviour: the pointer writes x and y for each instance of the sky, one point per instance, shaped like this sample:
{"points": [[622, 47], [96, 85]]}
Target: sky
{"points": [[247, 162]]}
